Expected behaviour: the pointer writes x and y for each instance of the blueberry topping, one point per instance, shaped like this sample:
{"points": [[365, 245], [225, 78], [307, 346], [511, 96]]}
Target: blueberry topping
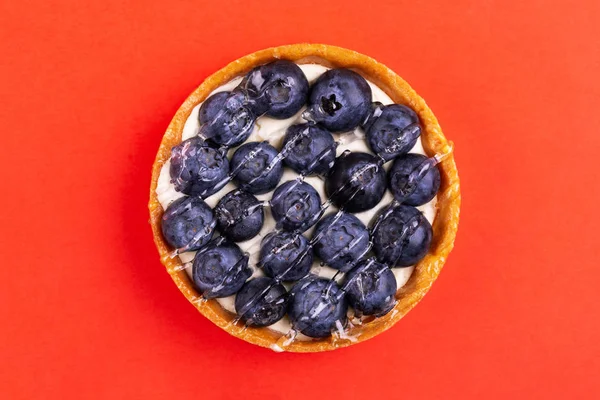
{"points": [[285, 256], [370, 288], [357, 182], [240, 215], [340, 240], [279, 89], [295, 205], [220, 270], [211, 107], [261, 302], [198, 169], [414, 179], [232, 124], [401, 236], [392, 130], [188, 224], [256, 167], [317, 307], [308, 149], [340, 100]]}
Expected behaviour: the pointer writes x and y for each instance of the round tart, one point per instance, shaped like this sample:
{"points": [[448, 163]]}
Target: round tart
{"points": [[377, 231]]}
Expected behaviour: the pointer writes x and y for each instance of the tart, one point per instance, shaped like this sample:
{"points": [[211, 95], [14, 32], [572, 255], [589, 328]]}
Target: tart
{"points": [[304, 198]]}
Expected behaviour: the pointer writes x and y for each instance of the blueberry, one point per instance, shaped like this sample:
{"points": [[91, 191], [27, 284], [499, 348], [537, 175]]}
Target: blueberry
{"points": [[370, 288], [401, 236], [279, 89], [357, 182], [188, 224], [232, 124], [220, 270], [414, 179], [285, 256], [261, 302], [295, 205], [340, 240], [198, 169], [211, 107], [392, 130], [256, 167], [317, 307], [240, 215], [308, 149], [340, 100]]}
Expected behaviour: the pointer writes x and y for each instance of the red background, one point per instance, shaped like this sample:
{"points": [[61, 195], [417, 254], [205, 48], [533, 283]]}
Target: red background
{"points": [[87, 90]]}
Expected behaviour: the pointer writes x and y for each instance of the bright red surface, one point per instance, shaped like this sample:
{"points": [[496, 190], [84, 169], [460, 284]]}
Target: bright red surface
{"points": [[86, 308]]}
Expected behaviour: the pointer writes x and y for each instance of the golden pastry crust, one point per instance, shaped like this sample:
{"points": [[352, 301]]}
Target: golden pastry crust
{"points": [[444, 227]]}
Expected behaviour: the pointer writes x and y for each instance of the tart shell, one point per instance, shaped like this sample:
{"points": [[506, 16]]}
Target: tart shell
{"points": [[444, 226]]}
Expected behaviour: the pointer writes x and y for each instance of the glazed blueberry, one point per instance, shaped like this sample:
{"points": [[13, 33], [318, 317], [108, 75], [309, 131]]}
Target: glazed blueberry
{"points": [[317, 307], [188, 224], [240, 215], [370, 288], [339, 100], [198, 169], [340, 240], [220, 270], [308, 149], [401, 236], [392, 130], [357, 182], [278, 89], [414, 179], [232, 124], [261, 302], [295, 205], [211, 107], [256, 167], [285, 256]]}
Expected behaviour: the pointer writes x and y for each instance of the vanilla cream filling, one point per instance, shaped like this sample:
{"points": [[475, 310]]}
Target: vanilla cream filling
{"points": [[273, 131]]}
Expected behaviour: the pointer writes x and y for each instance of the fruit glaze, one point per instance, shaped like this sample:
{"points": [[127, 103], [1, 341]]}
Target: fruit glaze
{"points": [[299, 198]]}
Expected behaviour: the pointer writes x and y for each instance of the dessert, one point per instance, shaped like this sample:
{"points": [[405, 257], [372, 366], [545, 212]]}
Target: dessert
{"points": [[286, 195]]}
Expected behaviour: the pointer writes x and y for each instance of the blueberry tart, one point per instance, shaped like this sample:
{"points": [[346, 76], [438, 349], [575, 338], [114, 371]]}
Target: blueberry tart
{"points": [[304, 198]]}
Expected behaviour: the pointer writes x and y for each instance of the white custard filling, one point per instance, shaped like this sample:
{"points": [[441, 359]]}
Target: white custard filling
{"points": [[273, 131]]}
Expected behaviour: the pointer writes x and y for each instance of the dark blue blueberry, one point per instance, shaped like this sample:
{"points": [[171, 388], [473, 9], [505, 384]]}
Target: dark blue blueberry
{"points": [[340, 240], [357, 182], [317, 307], [278, 89], [211, 107], [309, 149], [232, 124], [295, 205], [401, 236], [370, 288], [392, 130], [198, 169], [188, 224], [414, 179], [220, 270], [285, 256], [340, 100], [261, 302], [256, 167], [240, 215]]}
